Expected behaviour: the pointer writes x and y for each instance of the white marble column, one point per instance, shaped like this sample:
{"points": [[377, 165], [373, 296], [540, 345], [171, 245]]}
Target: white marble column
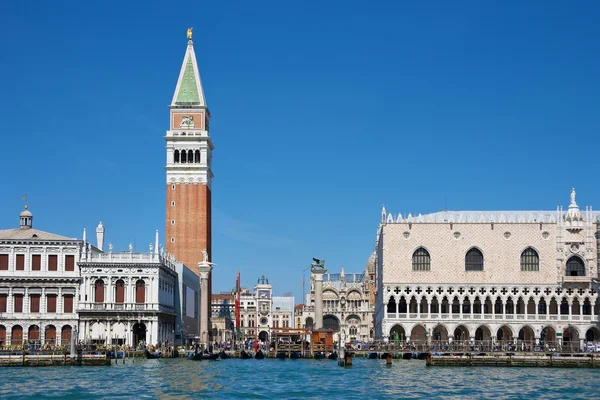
{"points": [[318, 273], [204, 268]]}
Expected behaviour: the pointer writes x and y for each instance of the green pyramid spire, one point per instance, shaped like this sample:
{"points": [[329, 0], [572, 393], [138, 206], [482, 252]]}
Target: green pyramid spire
{"points": [[188, 91]]}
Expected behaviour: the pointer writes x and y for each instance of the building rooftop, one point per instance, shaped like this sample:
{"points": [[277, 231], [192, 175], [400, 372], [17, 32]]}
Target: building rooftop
{"points": [[30, 234]]}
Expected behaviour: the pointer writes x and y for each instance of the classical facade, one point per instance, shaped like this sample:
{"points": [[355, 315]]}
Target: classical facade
{"points": [[39, 285], [347, 306], [127, 298], [189, 173], [491, 276]]}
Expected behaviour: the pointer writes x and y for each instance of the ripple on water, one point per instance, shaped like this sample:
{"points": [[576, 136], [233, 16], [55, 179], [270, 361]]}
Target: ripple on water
{"points": [[293, 379]]}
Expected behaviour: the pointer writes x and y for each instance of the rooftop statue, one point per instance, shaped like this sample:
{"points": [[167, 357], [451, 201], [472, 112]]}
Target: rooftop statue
{"points": [[189, 33]]}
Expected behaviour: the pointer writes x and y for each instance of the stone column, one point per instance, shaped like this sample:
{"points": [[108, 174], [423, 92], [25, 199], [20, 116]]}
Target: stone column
{"points": [[318, 274], [204, 268]]}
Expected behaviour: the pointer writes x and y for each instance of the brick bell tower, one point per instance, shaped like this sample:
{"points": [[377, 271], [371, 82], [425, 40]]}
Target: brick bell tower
{"points": [[189, 174]]}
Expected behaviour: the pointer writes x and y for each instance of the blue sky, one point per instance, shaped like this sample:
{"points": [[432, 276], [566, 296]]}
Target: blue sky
{"points": [[322, 112]]}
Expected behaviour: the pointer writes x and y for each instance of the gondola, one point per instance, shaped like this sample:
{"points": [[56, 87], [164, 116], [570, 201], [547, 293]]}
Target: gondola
{"points": [[259, 355], [195, 356], [210, 356], [294, 355], [372, 355], [333, 356], [149, 355], [244, 355], [281, 355], [318, 356], [223, 355]]}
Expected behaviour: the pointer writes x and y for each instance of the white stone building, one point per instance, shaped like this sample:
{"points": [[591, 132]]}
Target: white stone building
{"points": [[347, 305], [39, 285], [529, 276], [128, 298]]}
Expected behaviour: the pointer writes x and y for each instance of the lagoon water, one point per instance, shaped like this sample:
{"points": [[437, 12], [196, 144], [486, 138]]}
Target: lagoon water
{"points": [[294, 379]]}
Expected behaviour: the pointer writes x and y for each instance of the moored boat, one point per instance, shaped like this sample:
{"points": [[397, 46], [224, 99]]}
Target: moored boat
{"points": [[149, 355], [333, 356], [281, 355], [244, 355], [259, 355]]}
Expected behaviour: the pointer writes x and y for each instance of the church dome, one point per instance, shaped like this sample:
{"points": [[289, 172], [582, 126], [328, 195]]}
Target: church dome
{"points": [[25, 213], [371, 264]]}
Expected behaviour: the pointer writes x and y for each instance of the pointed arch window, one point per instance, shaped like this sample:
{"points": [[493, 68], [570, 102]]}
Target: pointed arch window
{"points": [[530, 260], [575, 267], [421, 260], [474, 260]]}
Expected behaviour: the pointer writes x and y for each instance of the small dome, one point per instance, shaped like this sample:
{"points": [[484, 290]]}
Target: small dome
{"points": [[25, 213], [371, 264], [25, 219]]}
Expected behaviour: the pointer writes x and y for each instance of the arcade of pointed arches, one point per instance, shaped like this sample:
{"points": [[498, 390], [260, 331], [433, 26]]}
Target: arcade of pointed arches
{"points": [[485, 332], [490, 302]]}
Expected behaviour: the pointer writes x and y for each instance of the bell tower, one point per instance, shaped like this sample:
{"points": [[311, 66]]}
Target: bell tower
{"points": [[189, 174]]}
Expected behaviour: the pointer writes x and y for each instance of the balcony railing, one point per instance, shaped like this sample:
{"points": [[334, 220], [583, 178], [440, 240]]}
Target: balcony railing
{"points": [[125, 307]]}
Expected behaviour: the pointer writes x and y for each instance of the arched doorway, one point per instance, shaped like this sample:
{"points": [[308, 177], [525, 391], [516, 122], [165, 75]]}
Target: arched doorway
{"points": [[16, 336], [418, 334], [461, 334], [483, 334], [308, 324], [575, 267], [527, 336], [548, 336], [139, 333], [397, 334], [331, 322], [2, 335], [504, 334], [591, 335], [50, 335], [33, 335], [439, 332], [65, 335], [263, 336], [571, 338]]}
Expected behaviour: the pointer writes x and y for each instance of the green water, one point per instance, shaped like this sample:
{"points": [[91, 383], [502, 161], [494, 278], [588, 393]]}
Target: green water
{"points": [[294, 379]]}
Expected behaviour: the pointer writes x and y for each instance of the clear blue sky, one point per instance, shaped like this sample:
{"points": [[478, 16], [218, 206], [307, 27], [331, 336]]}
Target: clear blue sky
{"points": [[322, 112]]}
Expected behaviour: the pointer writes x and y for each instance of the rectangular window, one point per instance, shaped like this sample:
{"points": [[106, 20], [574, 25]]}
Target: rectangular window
{"points": [[70, 263], [52, 262], [34, 303], [3, 298], [18, 306], [36, 262], [20, 262], [3, 262], [68, 303], [51, 303]]}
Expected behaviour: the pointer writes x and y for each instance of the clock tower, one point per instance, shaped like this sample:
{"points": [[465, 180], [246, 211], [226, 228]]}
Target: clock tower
{"points": [[189, 173]]}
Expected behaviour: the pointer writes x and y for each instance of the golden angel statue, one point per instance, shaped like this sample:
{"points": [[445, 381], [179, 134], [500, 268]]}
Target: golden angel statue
{"points": [[189, 33]]}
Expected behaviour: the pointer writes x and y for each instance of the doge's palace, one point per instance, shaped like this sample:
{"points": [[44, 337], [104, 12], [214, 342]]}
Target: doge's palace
{"points": [[498, 276]]}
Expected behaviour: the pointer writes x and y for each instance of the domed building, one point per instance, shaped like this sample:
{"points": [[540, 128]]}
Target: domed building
{"points": [[348, 303], [39, 285]]}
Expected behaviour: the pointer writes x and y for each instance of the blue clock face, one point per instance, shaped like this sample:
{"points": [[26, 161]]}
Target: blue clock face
{"points": [[263, 321], [263, 294]]}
